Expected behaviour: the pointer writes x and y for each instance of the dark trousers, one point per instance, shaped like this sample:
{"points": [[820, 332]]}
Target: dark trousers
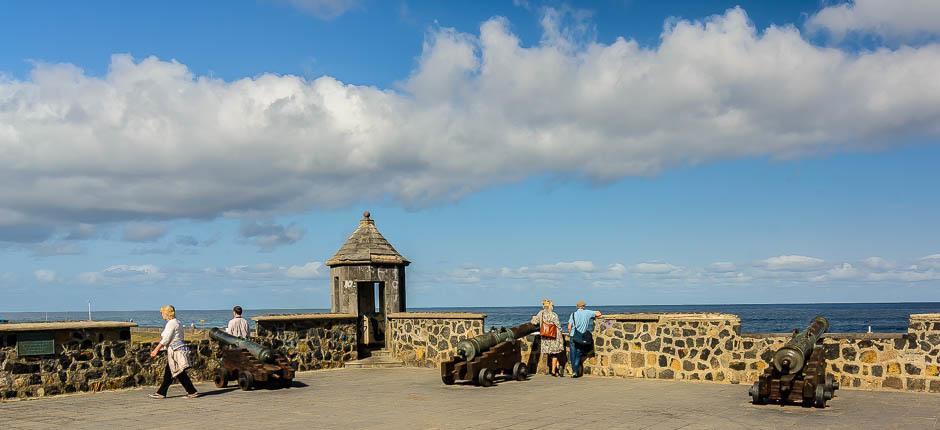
{"points": [[577, 353], [168, 379]]}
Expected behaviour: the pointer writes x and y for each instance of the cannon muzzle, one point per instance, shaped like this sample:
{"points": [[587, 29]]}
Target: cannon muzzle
{"points": [[263, 354], [468, 349], [791, 358]]}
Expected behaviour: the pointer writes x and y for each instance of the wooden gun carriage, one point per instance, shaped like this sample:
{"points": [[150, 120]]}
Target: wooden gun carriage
{"points": [[481, 359], [250, 364], [797, 371]]}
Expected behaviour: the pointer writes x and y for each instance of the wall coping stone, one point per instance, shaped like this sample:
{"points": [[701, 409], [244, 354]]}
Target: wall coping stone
{"points": [[295, 317], [672, 316], [437, 315], [925, 317], [850, 336], [64, 325]]}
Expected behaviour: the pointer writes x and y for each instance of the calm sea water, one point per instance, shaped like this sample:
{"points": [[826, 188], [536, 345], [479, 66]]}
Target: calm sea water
{"points": [[843, 317]]}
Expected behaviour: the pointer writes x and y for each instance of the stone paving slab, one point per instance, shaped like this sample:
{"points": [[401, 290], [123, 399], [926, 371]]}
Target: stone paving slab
{"points": [[412, 398]]}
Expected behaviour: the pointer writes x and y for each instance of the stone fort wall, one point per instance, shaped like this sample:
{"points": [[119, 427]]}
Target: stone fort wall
{"points": [[96, 356], [699, 347], [425, 339]]}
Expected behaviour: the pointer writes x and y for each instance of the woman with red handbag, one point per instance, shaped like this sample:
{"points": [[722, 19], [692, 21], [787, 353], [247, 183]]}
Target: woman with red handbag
{"points": [[552, 344]]}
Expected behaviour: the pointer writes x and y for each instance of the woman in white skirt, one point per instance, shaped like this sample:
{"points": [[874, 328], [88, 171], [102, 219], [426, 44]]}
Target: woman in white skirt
{"points": [[552, 347], [177, 355]]}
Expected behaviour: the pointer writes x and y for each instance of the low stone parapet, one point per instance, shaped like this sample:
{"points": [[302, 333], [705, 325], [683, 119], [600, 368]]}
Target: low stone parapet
{"points": [[424, 339], [311, 341]]}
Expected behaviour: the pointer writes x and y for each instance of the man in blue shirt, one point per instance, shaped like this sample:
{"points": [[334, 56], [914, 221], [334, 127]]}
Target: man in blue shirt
{"points": [[580, 326]]}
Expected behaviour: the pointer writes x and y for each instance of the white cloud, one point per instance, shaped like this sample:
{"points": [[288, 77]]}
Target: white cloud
{"points": [[842, 272], [45, 276], [478, 110], [323, 9], [655, 268], [791, 263], [890, 19], [931, 261], [124, 274], [721, 267], [878, 264], [144, 232], [569, 266], [311, 270]]}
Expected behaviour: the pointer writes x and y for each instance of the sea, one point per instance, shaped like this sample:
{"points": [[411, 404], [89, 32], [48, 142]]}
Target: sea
{"points": [[755, 318]]}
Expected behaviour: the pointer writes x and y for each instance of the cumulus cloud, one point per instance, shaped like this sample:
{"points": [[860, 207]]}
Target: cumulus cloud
{"points": [[721, 267], [478, 110], [930, 261], [269, 235], [323, 9], [311, 270], [45, 276], [124, 274], [842, 272], [655, 268], [144, 232], [894, 19], [791, 263], [878, 264]]}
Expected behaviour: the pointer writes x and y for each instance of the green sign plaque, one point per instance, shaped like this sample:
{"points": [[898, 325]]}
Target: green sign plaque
{"points": [[35, 343]]}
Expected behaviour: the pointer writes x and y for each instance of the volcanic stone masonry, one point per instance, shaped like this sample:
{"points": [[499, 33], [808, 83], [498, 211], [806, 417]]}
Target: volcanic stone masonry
{"points": [[425, 339], [311, 341], [95, 356]]}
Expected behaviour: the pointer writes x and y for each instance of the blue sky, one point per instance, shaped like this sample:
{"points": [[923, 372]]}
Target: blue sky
{"points": [[622, 152]]}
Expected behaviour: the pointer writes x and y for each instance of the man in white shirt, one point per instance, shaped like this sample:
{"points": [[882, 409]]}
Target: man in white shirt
{"points": [[238, 326]]}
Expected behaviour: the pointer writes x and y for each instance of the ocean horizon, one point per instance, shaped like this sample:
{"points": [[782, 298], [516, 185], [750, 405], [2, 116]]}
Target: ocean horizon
{"points": [[755, 318]]}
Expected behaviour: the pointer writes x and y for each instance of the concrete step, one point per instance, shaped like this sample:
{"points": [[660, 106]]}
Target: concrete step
{"points": [[379, 359]]}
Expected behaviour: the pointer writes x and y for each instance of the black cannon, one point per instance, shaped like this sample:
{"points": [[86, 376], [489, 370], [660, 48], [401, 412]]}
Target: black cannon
{"points": [[797, 371], [482, 358], [251, 364]]}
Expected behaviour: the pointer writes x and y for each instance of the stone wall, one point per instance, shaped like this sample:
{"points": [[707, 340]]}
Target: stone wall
{"points": [[311, 341], [424, 339], [711, 347], [88, 356], [96, 356]]}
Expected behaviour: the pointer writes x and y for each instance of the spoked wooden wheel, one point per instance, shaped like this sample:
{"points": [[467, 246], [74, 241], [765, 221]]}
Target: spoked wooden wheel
{"points": [[221, 378], [486, 377]]}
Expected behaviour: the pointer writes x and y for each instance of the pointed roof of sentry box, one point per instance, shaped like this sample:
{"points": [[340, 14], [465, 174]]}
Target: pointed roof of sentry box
{"points": [[366, 246]]}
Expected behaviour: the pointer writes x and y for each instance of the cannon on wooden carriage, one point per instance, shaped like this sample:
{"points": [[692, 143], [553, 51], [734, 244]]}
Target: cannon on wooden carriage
{"points": [[481, 359], [251, 364], [797, 371]]}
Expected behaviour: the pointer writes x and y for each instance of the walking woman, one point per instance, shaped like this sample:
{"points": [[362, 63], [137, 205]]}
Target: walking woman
{"points": [[177, 355], [552, 344]]}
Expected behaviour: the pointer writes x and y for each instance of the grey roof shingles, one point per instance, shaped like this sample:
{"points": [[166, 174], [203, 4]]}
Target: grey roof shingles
{"points": [[366, 246]]}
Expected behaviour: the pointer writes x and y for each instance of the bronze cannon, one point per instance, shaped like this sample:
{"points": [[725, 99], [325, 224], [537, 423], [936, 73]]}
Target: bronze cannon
{"points": [[482, 358], [797, 371], [249, 363]]}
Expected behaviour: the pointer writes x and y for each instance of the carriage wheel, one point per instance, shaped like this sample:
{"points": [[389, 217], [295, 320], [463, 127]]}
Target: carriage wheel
{"points": [[221, 378], [520, 372], [448, 379], [245, 381], [820, 397], [755, 394], [486, 377]]}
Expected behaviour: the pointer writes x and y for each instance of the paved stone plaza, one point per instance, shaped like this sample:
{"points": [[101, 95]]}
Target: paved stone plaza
{"points": [[414, 398]]}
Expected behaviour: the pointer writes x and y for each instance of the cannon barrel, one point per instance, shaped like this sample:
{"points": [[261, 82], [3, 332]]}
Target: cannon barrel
{"points": [[263, 354], [790, 358], [468, 349]]}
